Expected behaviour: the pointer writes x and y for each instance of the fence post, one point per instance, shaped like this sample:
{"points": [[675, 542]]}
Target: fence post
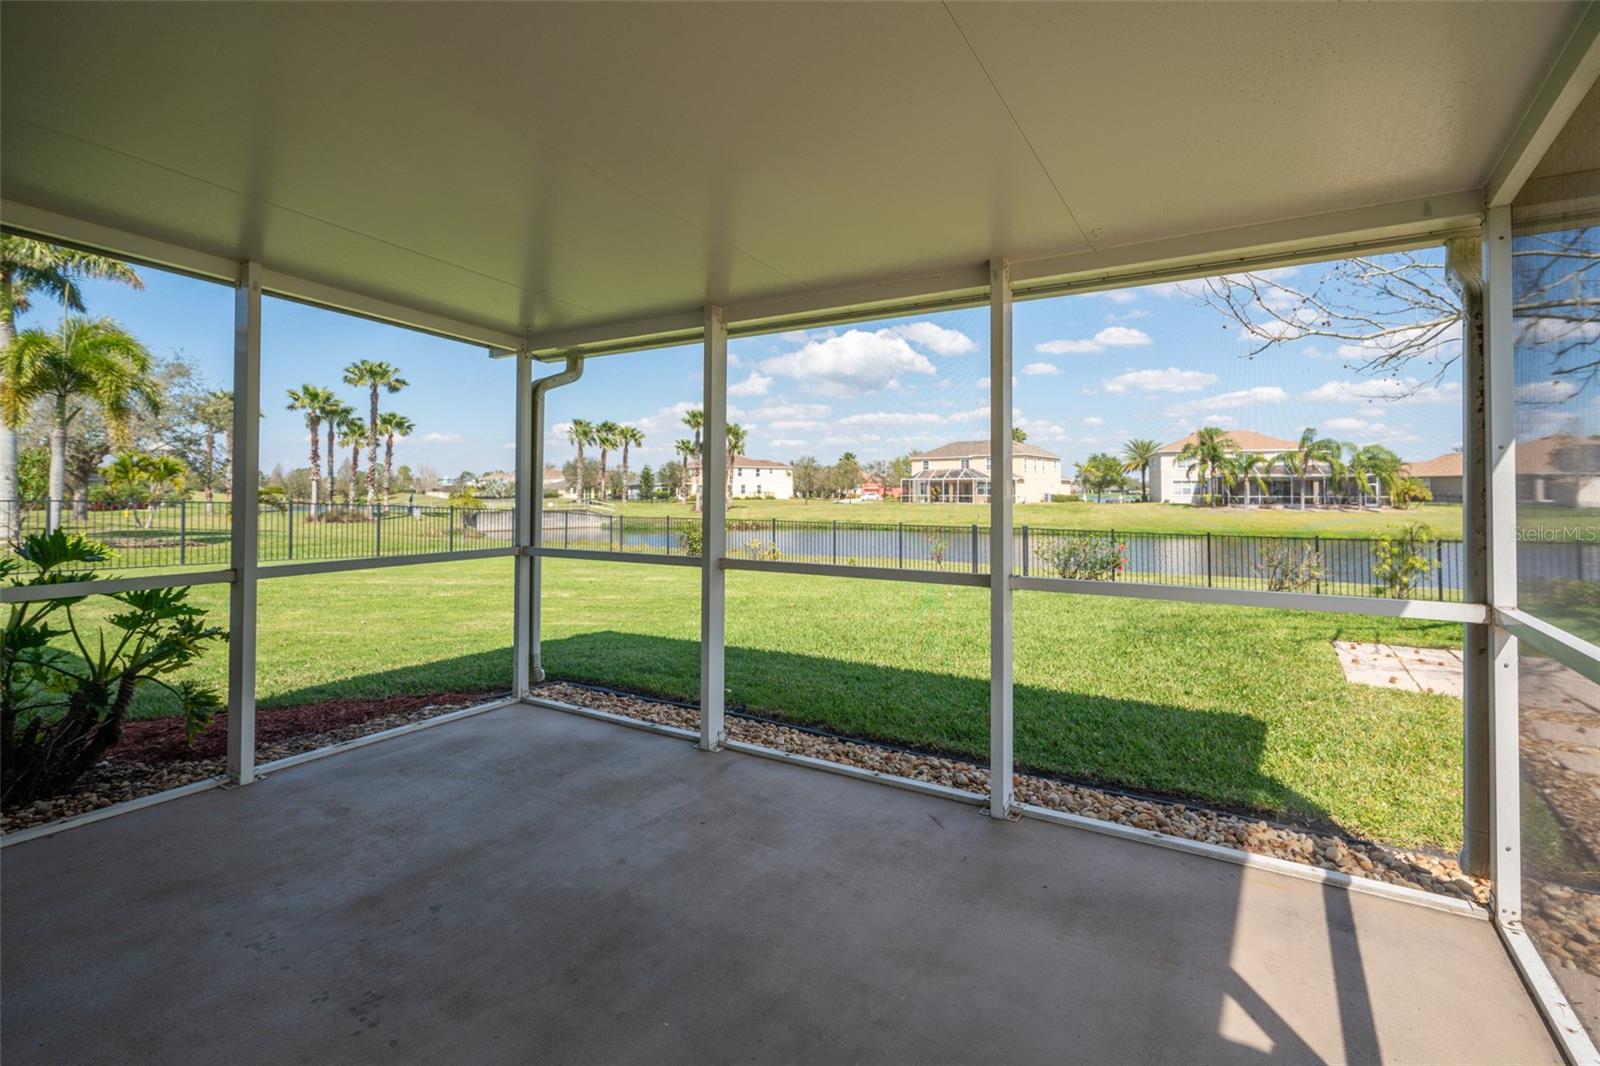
{"points": [[1113, 534], [774, 534], [901, 545], [669, 534], [566, 528], [1208, 560], [291, 528], [974, 547], [835, 542], [1316, 546], [1438, 568], [1026, 554], [377, 531], [183, 531], [452, 527]]}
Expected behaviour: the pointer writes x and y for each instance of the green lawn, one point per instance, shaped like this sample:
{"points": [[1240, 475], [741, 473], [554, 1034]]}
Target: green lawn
{"points": [[1129, 517], [1233, 706]]}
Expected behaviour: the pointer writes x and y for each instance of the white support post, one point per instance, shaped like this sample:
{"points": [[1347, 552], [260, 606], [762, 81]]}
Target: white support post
{"points": [[1464, 265], [244, 521], [1002, 497], [530, 496], [1500, 413], [714, 536]]}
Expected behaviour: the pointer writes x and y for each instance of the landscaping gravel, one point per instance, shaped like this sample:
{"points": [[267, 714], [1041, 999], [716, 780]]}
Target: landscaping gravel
{"points": [[1360, 858]]}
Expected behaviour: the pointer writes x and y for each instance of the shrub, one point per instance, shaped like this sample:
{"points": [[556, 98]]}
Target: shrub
{"points": [[1088, 557], [61, 709], [1400, 560], [691, 539], [1289, 567], [936, 549], [1410, 491], [760, 549]]}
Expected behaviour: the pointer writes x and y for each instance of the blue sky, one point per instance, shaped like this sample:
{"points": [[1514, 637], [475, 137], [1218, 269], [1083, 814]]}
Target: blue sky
{"points": [[1091, 372]]}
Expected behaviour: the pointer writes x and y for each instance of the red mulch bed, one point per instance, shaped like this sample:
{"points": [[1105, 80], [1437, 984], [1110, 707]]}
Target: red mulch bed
{"points": [[156, 740]]}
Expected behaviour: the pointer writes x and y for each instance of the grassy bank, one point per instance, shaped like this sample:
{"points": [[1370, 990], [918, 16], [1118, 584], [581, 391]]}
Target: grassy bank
{"points": [[1233, 706], [1128, 517]]}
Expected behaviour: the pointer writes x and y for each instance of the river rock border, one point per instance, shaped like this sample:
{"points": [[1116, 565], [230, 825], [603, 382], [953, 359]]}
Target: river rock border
{"points": [[1359, 858]]}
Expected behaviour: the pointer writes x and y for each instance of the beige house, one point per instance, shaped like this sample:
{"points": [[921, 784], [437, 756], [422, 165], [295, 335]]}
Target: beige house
{"points": [[959, 472], [1562, 470], [1172, 479], [754, 478]]}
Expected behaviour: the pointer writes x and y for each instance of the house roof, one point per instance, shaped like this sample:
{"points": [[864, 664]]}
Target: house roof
{"points": [[1244, 440], [1559, 453], [744, 462], [1446, 465], [979, 449], [965, 473]]}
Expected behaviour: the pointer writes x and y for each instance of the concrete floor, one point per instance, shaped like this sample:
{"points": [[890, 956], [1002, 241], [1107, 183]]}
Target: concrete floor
{"points": [[528, 886]]}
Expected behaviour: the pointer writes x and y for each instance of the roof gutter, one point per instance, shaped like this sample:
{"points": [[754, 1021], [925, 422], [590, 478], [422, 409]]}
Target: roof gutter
{"points": [[572, 372]]}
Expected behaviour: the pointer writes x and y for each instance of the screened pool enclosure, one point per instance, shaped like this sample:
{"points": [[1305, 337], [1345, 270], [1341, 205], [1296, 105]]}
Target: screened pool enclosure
{"points": [[557, 189]]}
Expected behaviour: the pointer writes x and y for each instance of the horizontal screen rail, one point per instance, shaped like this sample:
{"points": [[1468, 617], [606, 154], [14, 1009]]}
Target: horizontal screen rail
{"points": [[875, 573], [1290, 601], [614, 557], [107, 586], [1567, 649], [374, 562]]}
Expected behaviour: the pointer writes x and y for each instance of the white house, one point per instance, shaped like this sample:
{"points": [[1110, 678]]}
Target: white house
{"points": [[1172, 480], [959, 472], [755, 478]]}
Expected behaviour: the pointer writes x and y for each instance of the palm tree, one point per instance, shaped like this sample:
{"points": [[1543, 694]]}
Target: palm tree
{"points": [[138, 476], [629, 436], [1207, 455], [392, 426], [579, 433], [1373, 467], [1019, 436], [314, 401], [695, 419], [686, 452], [28, 267], [1311, 449], [352, 435], [335, 413], [374, 375], [735, 449], [214, 412], [83, 357], [605, 436], [1138, 454], [1251, 468]]}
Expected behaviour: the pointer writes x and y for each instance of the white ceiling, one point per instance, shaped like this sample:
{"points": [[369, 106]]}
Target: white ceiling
{"points": [[555, 165]]}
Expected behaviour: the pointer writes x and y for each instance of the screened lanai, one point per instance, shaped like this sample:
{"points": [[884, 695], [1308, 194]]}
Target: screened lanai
{"points": [[564, 200]]}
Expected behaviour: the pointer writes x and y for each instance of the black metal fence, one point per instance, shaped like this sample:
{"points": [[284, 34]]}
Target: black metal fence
{"points": [[196, 533], [199, 534], [1332, 565]]}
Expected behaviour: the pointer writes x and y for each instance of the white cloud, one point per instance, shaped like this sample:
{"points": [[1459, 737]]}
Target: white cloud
{"points": [[1169, 380], [1121, 296], [445, 438], [667, 423], [1122, 337], [977, 414], [1228, 401], [787, 442], [892, 418], [1548, 330], [1110, 337], [754, 385], [1094, 421], [792, 425], [935, 338], [1035, 369], [855, 361], [1370, 431], [1398, 391], [1129, 316], [1546, 391], [1219, 420]]}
